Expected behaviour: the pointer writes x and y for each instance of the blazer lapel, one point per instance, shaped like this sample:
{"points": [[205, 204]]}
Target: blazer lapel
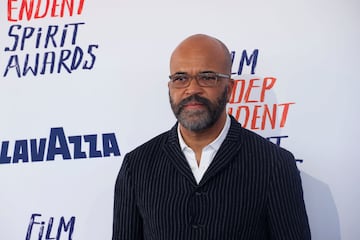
{"points": [[176, 156], [226, 152]]}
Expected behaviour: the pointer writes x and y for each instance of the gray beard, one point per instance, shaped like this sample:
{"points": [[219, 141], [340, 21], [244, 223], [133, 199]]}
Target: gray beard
{"points": [[198, 120]]}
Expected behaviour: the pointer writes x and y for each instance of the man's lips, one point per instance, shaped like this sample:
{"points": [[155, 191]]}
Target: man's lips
{"points": [[193, 102], [192, 105]]}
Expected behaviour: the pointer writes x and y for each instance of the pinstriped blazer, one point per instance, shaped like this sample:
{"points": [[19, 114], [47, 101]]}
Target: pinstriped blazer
{"points": [[251, 191]]}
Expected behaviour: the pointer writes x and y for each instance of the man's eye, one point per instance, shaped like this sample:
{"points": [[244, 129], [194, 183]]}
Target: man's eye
{"points": [[180, 78], [207, 77]]}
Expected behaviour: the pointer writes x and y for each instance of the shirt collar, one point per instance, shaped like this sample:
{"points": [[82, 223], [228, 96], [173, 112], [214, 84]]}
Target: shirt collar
{"points": [[214, 144]]}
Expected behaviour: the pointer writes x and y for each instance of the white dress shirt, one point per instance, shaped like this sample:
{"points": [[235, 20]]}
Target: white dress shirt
{"points": [[208, 152]]}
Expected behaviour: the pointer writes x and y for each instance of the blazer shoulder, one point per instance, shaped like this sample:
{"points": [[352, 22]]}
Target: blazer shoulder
{"points": [[262, 144]]}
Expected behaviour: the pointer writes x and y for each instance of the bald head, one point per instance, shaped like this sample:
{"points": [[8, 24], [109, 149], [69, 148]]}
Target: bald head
{"points": [[201, 48]]}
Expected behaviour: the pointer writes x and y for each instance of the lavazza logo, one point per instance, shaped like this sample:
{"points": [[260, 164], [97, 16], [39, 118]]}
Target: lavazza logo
{"points": [[59, 146]]}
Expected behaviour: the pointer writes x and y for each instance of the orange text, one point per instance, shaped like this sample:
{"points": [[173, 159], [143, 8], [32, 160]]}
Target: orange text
{"points": [[19, 10]]}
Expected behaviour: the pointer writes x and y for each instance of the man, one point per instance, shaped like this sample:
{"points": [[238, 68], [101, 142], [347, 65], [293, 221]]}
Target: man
{"points": [[207, 177]]}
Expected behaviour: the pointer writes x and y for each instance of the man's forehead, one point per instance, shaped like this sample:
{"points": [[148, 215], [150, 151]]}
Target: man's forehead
{"points": [[196, 59], [195, 64]]}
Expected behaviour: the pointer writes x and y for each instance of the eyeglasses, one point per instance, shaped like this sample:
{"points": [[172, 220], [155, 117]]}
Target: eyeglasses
{"points": [[203, 79]]}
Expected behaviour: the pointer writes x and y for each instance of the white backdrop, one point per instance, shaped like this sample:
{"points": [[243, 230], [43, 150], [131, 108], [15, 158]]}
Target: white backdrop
{"points": [[120, 100]]}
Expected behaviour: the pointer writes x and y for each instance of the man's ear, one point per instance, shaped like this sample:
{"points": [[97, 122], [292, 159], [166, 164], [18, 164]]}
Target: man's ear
{"points": [[230, 87]]}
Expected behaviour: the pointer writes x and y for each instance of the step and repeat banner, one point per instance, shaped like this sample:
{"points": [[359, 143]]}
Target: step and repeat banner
{"points": [[84, 82]]}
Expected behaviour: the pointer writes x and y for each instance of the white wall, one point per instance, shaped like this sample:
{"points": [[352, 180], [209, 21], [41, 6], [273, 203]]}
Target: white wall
{"points": [[310, 47]]}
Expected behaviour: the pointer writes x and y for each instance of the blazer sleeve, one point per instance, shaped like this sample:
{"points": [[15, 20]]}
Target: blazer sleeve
{"points": [[127, 222], [286, 210]]}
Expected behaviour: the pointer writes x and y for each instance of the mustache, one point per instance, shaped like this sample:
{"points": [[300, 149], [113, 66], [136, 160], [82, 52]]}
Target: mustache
{"points": [[193, 98]]}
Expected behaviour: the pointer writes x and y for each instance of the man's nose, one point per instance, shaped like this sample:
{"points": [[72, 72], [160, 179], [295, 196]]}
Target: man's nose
{"points": [[194, 87]]}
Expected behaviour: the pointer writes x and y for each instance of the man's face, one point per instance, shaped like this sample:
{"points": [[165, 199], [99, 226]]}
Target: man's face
{"points": [[198, 108]]}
